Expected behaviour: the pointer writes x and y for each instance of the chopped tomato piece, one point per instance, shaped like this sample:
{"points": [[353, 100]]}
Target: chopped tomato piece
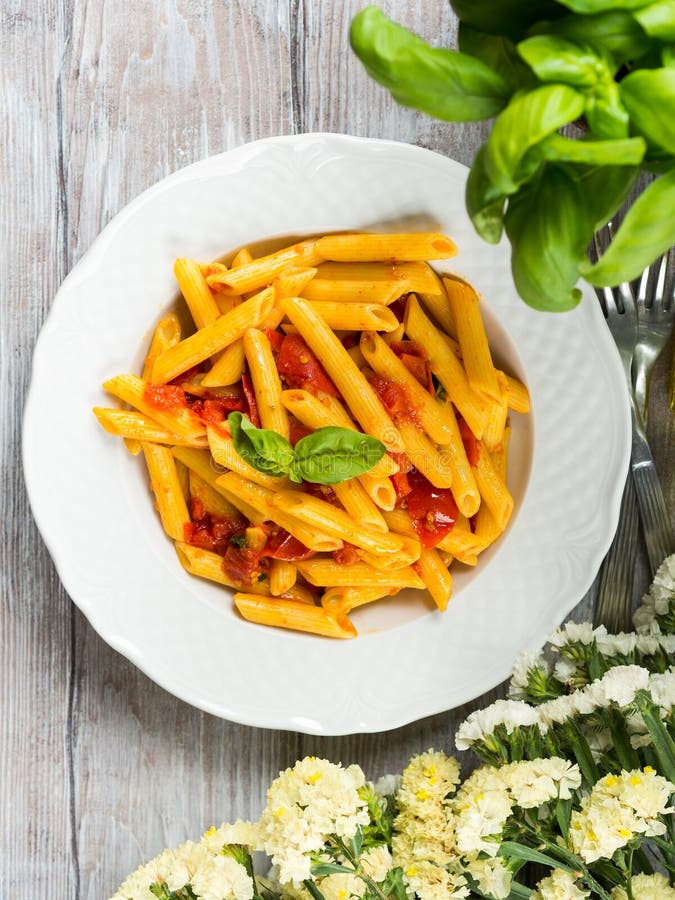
{"points": [[350, 340], [283, 545], [244, 566], [395, 399], [249, 393], [470, 441], [165, 396], [213, 411], [300, 368], [298, 431], [433, 510], [275, 338], [400, 479], [347, 555], [210, 532]]}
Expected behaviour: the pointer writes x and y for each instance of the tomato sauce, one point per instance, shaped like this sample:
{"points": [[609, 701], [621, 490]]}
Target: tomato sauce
{"points": [[169, 397], [301, 369], [433, 510], [395, 400], [470, 441]]}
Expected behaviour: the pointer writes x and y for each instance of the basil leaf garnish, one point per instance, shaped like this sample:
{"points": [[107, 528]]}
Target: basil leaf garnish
{"points": [[331, 455], [262, 448], [327, 456]]}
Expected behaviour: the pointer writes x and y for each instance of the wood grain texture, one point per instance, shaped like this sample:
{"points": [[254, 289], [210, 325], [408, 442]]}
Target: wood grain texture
{"points": [[100, 767]]}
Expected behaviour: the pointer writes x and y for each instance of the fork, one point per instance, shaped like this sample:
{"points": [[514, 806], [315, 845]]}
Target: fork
{"points": [[615, 579], [656, 316]]}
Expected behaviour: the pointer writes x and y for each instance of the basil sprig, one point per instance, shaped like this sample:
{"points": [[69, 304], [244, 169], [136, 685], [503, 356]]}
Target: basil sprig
{"points": [[537, 66], [327, 456]]}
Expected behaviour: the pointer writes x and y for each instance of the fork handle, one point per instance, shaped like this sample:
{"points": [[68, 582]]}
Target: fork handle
{"points": [[615, 581], [655, 522]]}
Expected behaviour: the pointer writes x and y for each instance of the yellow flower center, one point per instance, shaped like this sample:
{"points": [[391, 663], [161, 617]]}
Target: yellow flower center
{"points": [[314, 777], [648, 770], [212, 830], [280, 811], [611, 780], [625, 832], [411, 871], [422, 794], [635, 780], [430, 771]]}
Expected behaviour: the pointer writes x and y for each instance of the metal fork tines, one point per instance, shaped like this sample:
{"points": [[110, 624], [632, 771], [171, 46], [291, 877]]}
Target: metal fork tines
{"points": [[656, 316]]}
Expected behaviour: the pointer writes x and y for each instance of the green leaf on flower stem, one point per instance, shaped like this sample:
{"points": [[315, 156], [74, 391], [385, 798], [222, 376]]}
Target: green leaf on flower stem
{"points": [[510, 849], [356, 842], [563, 814], [262, 448], [393, 886], [615, 32], [548, 239], [322, 869], [443, 83], [647, 231], [649, 97], [529, 118], [313, 889]]}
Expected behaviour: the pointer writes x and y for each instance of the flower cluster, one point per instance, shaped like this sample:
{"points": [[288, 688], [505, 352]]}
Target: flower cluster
{"points": [[578, 777]]}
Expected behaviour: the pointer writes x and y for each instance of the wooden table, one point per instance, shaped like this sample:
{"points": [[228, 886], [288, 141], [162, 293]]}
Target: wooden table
{"points": [[100, 769]]}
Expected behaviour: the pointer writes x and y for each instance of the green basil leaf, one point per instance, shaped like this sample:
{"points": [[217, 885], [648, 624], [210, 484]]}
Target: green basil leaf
{"points": [[548, 239], [331, 455], [443, 83], [626, 152], [615, 32], [604, 189], [596, 6], [528, 119], [484, 202], [554, 58], [606, 115], [508, 17], [647, 231], [262, 448], [649, 97], [498, 53], [658, 19]]}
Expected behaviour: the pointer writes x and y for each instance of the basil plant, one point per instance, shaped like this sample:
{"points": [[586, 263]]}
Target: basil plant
{"points": [[538, 65]]}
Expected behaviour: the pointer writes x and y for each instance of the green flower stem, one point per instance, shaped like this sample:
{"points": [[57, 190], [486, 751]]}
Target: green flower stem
{"points": [[663, 742], [627, 756], [582, 752]]}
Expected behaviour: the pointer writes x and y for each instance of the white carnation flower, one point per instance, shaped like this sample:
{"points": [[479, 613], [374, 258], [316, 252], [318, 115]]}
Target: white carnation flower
{"points": [[559, 885], [528, 660], [482, 806], [240, 832], [222, 878], [662, 689], [493, 877], [621, 644], [387, 785], [481, 723], [376, 862], [646, 887], [621, 683], [657, 600], [565, 670], [430, 882], [341, 886], [576, 633], [534, 782]]}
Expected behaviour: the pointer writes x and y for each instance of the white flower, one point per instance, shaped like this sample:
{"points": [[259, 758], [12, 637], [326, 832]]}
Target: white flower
{"points": [[482, 723], [341, 886], [481, 808], [621, 644], [430, 882], [662, 689], [537, 781], [241, 832], [174, 868], [621, 683], [524, 664], [387, 785], [576, 633], [376, 862], [222, 878], [658, 599], [565, 670], [305, 805], [646, 887], [559, 885], [492, 876]]}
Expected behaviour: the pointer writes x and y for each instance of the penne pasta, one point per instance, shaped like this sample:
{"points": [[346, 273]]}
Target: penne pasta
{"points": [[282, 576], [493, 490], [358, 504], [200, 462], [200, 301], [350, 291], [128, 423], [342, 600], [447, 368], [355, 316], [209, 565], [228, 368], [224, 453], [472, 339], [373, 247], [496, 418], [409, 276], [167, 334], [327, 573], [360, 397], [212, 502], [167, 488], [262, 271], [209, 340], [292, 614], [436, 577], [266, 382], [425, 456], [138, 393]]}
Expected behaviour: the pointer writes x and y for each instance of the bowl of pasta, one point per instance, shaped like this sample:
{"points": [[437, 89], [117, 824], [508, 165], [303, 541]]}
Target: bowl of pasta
{"points": [[320, 435]]}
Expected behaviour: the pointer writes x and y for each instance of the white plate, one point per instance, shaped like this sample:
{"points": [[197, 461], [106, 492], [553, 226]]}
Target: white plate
{"points": [[91, 501]]}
